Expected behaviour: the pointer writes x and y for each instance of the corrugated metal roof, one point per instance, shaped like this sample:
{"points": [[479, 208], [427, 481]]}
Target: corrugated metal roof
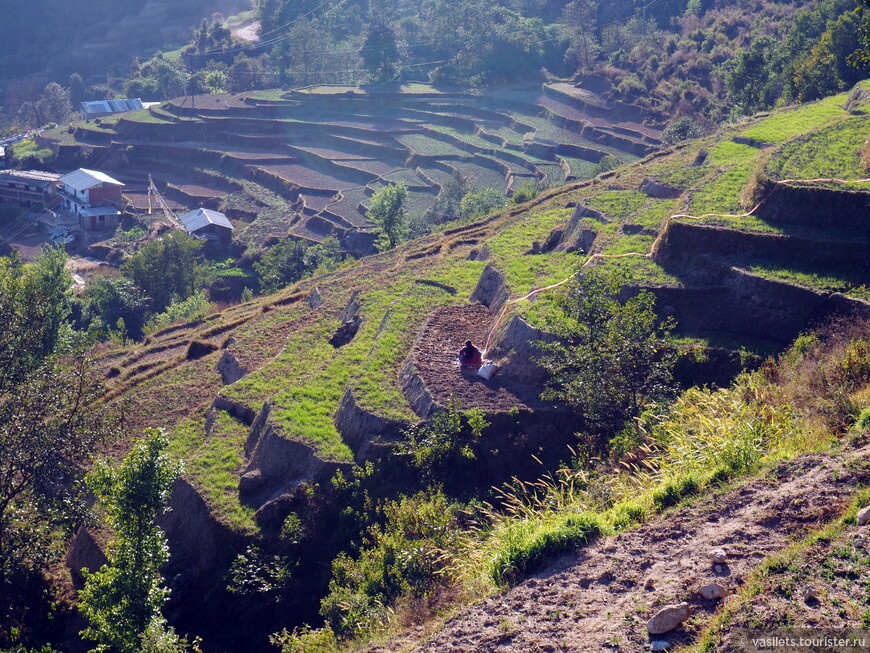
{"points": [[82, 179], [36, 177], [100, 210], [112, 106], [199, 218]]}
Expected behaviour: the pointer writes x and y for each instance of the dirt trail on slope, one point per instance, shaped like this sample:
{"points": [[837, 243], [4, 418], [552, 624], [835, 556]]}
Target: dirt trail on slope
{"points": [[435, 357], [601, 598]]}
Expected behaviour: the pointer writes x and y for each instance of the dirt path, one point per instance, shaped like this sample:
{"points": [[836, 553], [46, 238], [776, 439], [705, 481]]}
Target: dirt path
{"points": [[601, 598], [435, 357]]}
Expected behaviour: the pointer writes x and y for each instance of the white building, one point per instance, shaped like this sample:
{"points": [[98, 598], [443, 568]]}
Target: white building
{"points": [[94, 197]]}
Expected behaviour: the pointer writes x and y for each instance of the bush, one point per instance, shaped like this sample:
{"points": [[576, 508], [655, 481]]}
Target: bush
{"points": [[525, 192], [481, 202], [403, 558]]}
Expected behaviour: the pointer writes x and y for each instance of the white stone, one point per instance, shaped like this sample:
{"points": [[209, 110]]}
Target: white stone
{"points": [[713, 591], [863, 516], [668, 618], [718, 556], [659, 645]]}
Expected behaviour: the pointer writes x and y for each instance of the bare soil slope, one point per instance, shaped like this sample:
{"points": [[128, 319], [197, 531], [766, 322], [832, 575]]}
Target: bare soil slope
{"points": [[435, 357], [601, 598]]}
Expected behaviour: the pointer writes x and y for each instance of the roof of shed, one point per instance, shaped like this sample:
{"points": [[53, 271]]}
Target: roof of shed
{"points": [[199, 218], [112, 106]]}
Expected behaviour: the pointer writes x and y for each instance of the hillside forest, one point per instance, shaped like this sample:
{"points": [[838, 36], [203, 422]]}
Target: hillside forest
{"points": [[650, 217]]}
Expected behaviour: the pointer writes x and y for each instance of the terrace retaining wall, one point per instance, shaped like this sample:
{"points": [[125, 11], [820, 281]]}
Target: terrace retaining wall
{"points": [[362, 429], [682, 244], [817, 207]]}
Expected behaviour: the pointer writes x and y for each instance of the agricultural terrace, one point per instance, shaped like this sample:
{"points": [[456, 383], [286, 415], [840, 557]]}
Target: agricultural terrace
{"points": [[310, 159], [738, 267]]}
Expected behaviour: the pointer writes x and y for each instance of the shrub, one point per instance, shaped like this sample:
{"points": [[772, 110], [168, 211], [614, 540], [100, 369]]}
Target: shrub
{"points": [[525, 192], [481, 202], [403, 558], [306, 640]]}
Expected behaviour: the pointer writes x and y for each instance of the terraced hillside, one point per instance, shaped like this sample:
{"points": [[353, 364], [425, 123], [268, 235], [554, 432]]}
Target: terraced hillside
{"points": [[746, 238], [306, 162]]}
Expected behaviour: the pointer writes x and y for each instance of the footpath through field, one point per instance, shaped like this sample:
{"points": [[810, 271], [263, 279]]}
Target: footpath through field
{"points": [[605, 593]]}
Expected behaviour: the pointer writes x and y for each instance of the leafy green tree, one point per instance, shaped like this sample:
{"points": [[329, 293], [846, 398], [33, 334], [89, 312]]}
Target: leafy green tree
{"points": [[323, 257], [167, 269], [816, 76], [283, 264], [613, 356], [379, 51], [76, 89], [250, 73], [214, 81], [861, 57], [34, 307], [110, 300], [49, 425], [481, 202], [290, 260], [581, 20], [387, 211], [49, 420], [122, 600]]}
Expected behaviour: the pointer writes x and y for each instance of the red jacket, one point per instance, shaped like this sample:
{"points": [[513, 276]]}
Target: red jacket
{"points": [[470, 356]]}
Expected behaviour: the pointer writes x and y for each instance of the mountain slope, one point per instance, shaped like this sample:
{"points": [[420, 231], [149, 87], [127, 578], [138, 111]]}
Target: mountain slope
{"points": [[675, 221]]}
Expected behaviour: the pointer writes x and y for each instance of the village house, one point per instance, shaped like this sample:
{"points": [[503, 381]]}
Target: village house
{"points": [[93, 197], [208, 224], [28, 188]]}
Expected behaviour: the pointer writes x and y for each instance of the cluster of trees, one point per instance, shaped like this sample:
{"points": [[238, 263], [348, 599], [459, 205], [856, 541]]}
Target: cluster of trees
{"points": [[52, 421], [168, 275], [721, 62]]}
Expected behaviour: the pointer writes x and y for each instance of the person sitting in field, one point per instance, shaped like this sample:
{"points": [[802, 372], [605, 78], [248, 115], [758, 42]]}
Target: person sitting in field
{"points": [[470, 356]]}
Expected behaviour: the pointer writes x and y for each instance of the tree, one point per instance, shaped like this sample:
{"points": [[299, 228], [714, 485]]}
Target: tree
{"points": [[167, 269], [76, 89], [290, 260], [750, 77], [122, 600], [49, 425], [481, 202], [248, 74], [387, 211], [111, 300], [281, 265], [581, 18], [34, 306], [379, 51], [613, 357], [49, 418], [54, 104]]}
